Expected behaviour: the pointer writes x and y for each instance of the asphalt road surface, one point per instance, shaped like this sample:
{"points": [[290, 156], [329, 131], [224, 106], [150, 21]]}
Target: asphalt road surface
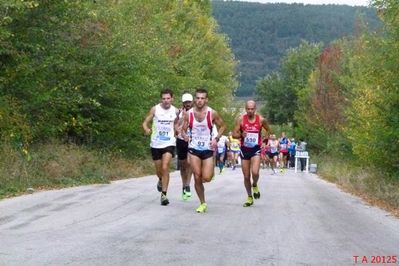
{"points": [[299, 220]]}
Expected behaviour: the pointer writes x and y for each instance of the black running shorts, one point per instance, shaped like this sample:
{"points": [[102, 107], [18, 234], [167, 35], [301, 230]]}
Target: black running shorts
{"points": [[203, 155], [182, 149], [272, 154], [157, 153], [248, 153]]}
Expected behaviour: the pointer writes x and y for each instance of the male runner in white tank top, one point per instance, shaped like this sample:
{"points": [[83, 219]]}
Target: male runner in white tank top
{"points": [[199, 120], [163, 141]]}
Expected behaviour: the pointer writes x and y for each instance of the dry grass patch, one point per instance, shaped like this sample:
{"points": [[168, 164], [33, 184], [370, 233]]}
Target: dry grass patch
{"points": [[121, 168], [366, 183], [58, 165]]}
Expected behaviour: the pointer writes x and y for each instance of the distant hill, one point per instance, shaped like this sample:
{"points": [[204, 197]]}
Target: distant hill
{"points": [[261, 33]]}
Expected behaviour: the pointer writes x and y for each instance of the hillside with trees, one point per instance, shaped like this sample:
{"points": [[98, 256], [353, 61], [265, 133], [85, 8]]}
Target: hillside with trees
{"points": [[343, 99], [260, 34]]}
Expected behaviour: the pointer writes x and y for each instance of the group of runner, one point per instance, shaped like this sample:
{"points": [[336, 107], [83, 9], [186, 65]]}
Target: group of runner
{"points": [[228, 152], [199, 130], [278, 153]]}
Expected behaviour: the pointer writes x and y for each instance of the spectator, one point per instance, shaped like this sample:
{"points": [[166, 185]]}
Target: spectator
{"points": [[291, 151], [302, 147]]}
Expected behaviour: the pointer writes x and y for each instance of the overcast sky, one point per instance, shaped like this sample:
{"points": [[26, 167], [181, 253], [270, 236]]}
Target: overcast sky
{"points": [[317, 2]]}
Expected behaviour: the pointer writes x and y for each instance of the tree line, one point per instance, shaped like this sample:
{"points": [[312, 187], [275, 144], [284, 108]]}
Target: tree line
{"points": [[88, 71], [261, 33], [344, 98]]}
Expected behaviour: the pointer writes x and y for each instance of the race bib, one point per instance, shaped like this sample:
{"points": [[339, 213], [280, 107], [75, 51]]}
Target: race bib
{"points": [[164, 132], [234, 146], [251, 140], [201, 142]]}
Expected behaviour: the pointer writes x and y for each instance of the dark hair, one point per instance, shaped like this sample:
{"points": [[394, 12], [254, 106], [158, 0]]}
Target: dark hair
{"points": [[166, 91], [201, 90]]}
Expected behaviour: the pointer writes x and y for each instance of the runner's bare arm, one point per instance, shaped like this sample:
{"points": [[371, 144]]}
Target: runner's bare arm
{"points": [[266, 126], [147, 120], [178, 122], [219, 123], [236, 133], [184, 126]]}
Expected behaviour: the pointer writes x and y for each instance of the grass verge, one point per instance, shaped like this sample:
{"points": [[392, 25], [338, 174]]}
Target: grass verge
{"points": [[370, 184], [55, 165]]}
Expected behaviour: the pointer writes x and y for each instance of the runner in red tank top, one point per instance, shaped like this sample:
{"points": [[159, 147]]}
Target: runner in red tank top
{"points": [[253, 132], [248, 128]]}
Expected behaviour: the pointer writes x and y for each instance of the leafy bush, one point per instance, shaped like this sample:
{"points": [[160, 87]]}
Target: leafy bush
{"points": [[87, 72]]}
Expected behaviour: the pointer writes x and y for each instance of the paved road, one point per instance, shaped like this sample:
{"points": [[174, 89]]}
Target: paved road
{"points": [[299, 220]]}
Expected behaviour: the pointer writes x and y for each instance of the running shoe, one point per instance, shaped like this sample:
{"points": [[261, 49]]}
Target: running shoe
{"points": [[164, 200], [159, 185], [256, 192], [188, 191], [184, 195], [249, 202], [202, 208]]}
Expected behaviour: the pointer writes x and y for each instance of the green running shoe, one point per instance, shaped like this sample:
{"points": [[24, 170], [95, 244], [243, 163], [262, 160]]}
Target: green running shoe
{"points": [[184, 196], [249, 202], [164, 200], [256, 192], [188, 191], [202, 208]]}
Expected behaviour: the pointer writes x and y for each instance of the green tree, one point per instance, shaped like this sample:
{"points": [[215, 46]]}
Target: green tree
{"points": [[280, 91], [261, 33], [323, 102], [88, 71], [374, 115]]}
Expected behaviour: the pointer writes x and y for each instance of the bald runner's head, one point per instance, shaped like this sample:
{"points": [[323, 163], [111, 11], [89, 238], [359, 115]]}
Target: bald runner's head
{"points": [[250, 108]]}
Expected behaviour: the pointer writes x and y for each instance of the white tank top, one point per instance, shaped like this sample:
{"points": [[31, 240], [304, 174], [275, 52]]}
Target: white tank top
{"points": [[201, 131], [163, 132], [273, 146]]}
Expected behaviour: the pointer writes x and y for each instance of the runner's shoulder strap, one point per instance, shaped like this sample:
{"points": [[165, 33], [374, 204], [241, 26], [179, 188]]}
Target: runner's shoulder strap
{"points": [[208, 119]]}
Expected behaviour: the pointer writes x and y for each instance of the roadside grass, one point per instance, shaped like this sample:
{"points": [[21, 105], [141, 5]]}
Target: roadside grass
{"points": [[55, 165], [371, 184]]}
